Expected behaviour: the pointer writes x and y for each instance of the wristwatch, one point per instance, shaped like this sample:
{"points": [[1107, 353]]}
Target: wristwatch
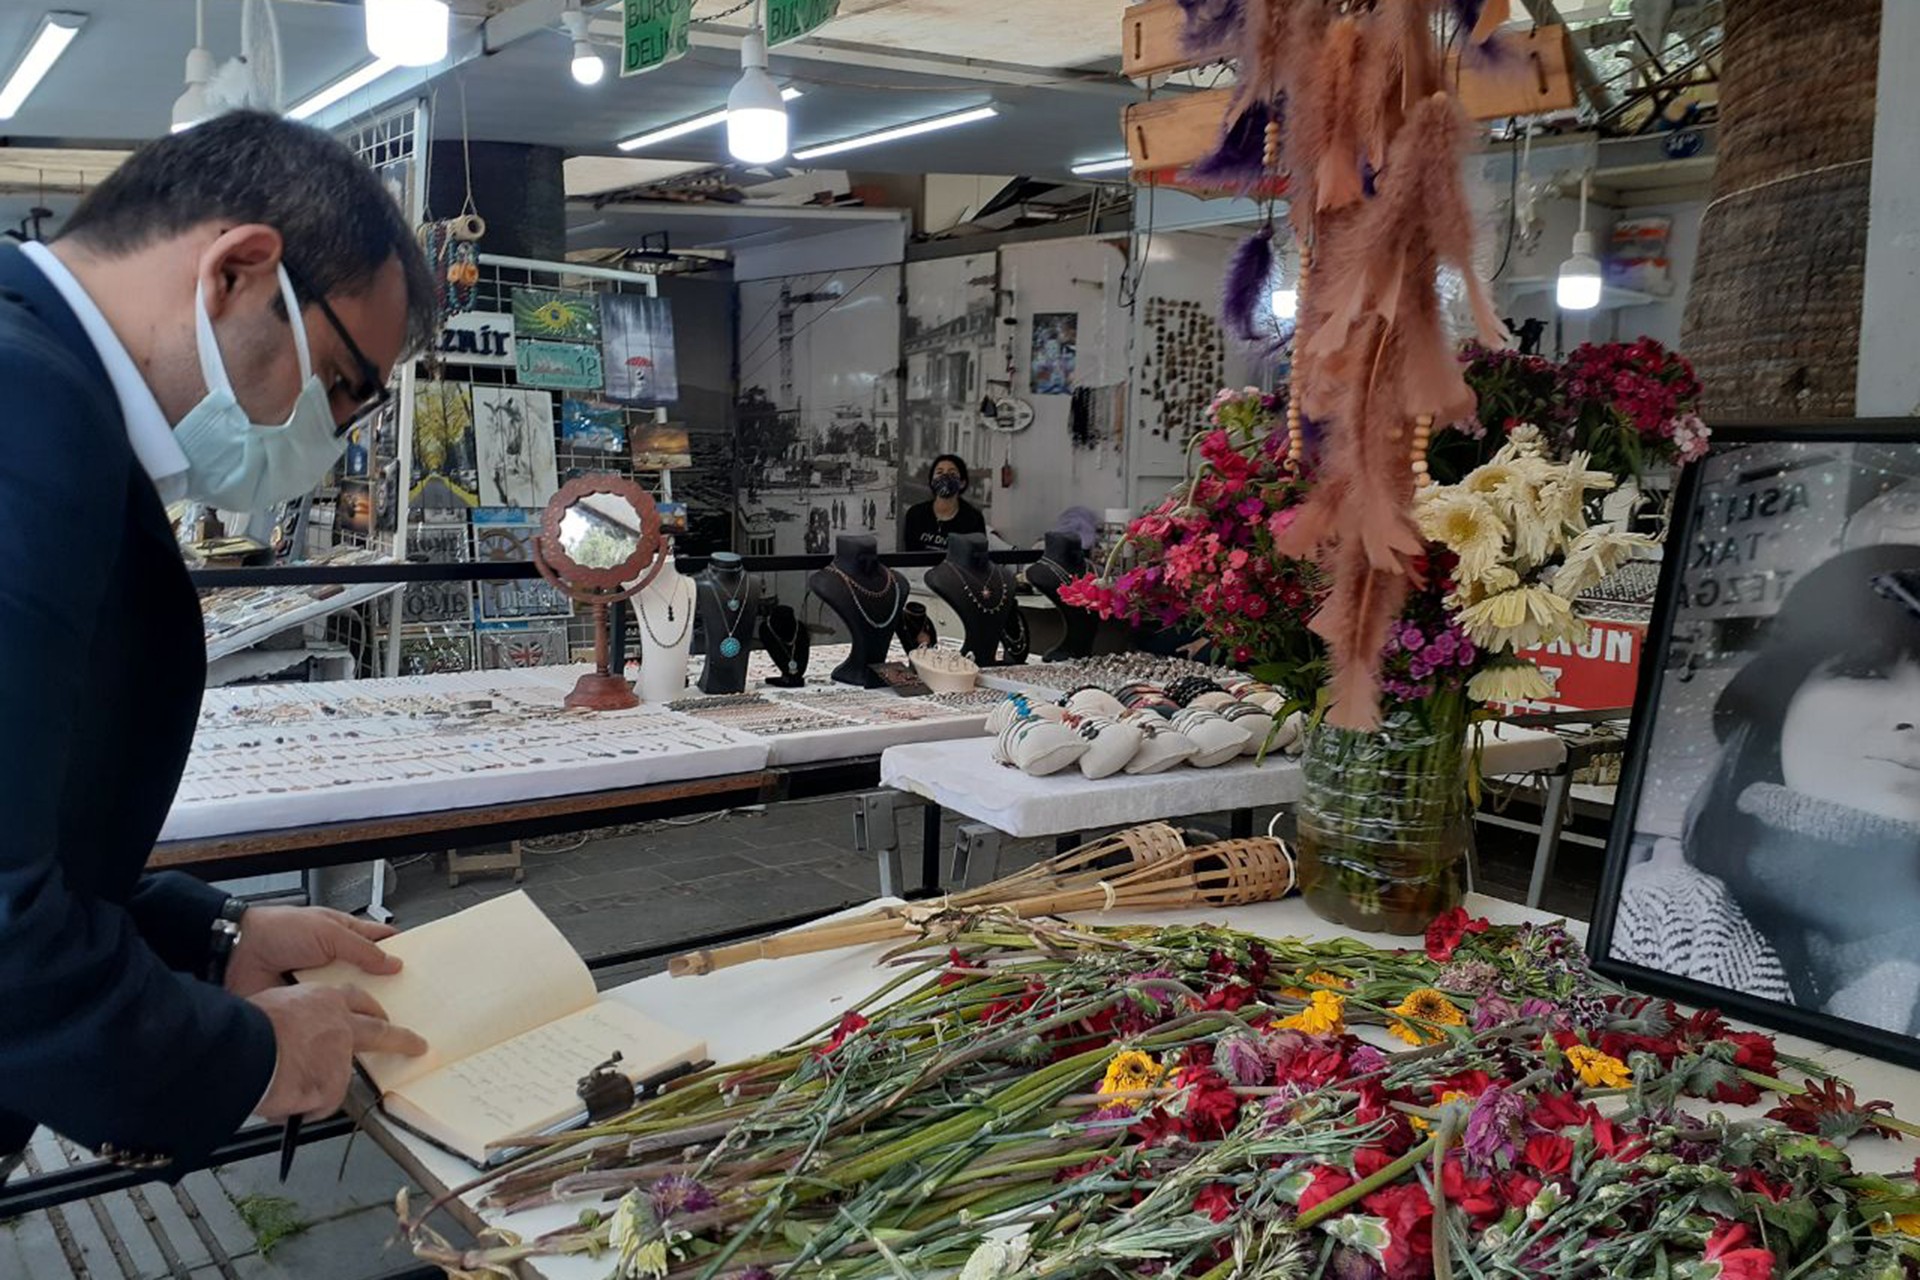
{"points": [[226, 936]]}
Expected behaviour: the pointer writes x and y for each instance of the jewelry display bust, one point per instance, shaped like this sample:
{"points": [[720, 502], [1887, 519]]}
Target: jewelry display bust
{"points": [[728, 602], [979, 591], [784, 636], [868, 597], [915, 628], [1065, 560], [663, 615]]}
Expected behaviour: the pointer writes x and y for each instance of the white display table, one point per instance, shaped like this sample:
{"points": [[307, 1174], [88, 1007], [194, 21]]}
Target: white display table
{"points": [[756, 1008]]}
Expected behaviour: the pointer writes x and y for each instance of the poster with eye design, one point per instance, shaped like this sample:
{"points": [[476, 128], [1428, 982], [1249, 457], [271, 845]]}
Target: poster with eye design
{"points": [[1766, 851], [514, 430], [545, 316]]}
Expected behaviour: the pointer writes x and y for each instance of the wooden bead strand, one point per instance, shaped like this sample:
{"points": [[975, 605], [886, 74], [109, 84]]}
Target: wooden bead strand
{"points": [[1296, 434], [1422, 432]]}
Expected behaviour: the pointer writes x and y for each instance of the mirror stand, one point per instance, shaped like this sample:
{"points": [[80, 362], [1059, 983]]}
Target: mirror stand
{"points": [[600, 543]]}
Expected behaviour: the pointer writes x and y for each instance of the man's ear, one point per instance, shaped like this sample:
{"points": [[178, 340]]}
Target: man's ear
{"points": [[240, 263]]}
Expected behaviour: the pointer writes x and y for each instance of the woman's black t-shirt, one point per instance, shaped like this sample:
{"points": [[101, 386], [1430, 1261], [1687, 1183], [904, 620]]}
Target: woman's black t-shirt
{"points": [[924, 531]]}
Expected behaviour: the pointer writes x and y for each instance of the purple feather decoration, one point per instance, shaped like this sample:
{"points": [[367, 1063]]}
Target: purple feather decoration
{"points": [[1249, 280], [1239, 163], [1212, 27], [1465, 12]]}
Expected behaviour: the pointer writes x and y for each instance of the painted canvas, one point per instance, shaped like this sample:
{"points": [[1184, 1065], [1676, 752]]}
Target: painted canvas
{"points": [[546, 316], [514, 429], [446, 471], [505, 535], [435, 652], [541, 645], [637, 349], [1056, 335], [590, 426], [661, 446]]}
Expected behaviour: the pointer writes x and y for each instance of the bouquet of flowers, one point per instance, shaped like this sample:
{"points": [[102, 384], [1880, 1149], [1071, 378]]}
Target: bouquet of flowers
{"points": [[1052, 1101], [1204, 560], [1522, 551], [1627, 406]]}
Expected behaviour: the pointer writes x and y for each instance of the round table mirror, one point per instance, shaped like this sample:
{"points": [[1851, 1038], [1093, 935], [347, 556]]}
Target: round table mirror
{"points": [[600, 542]]}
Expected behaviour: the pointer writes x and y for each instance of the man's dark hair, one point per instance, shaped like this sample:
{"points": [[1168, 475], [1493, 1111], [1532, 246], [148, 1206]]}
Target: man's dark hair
{"points": [[958, 462], [339, 222]]}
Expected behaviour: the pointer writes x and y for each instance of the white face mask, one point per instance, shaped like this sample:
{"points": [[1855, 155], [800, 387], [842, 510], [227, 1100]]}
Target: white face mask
{"points": [[237, 464]]}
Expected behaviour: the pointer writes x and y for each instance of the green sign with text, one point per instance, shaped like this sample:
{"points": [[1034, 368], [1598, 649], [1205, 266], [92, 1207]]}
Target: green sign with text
{"points": [[791, 19], [654, 33]]}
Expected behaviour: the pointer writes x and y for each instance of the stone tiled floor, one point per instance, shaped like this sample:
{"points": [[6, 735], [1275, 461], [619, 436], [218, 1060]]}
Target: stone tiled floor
{"points": [[636, 888]]}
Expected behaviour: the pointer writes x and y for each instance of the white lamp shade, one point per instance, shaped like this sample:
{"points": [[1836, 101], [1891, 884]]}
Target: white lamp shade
{"points": [[191, 107], [588, 66], [411, 33], [1580, 280], [756, 119]]}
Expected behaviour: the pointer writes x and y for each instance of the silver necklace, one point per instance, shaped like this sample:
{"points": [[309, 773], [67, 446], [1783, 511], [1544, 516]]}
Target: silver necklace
{"points": [[686, 624], [1059, 569], [790, 643], [985, 594], [855, 591], [730, 608]]}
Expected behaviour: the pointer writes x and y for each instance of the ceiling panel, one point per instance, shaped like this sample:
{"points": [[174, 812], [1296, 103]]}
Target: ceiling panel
{"points": [[1030, 33]]}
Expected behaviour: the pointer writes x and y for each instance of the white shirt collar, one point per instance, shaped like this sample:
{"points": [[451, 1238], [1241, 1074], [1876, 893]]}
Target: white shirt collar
{"points": [[147, 428]]}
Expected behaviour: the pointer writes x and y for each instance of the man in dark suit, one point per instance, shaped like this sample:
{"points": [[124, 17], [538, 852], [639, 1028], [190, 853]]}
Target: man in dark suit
{"points": [[208, 321]]}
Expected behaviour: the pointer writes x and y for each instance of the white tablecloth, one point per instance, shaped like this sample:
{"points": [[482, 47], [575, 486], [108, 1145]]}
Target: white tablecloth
{"points": [[756, 1008]]}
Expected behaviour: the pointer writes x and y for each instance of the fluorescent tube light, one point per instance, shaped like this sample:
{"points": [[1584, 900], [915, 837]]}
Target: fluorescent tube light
{"points": [[56, 32], [669, 132], [1086, 167], [918, 127], [352, 82]]}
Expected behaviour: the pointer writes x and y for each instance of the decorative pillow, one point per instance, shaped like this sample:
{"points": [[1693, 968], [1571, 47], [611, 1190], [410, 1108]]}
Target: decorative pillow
{"points": [[1185, 689], [1141, 696], [1255, 720], [1096, 702], [1216, 700], [1161, 745], [1113, 743], [1268, 700], [1292, 737], [1218, 738], [1019, 706], [1039, 747]]}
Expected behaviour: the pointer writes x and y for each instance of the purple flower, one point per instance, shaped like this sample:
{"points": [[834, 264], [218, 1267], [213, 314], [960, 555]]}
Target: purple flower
{"points": [[1535, 1007], [1412, 639], [1365, 1060], [1493, 1127], [1239, 1059], [754, 1273], [1493, 1011], [677, 1193], [1468, 655], [1468, 977]]}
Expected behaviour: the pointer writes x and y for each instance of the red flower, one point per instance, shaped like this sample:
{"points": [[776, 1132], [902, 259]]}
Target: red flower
{"points": [[1475, 1195], [1549, 1154], [1368, 1161], [1758, 1183], [850, 1023], [1215, 1201], [1518, 1190], [1319, 1060], [1327, 1183], [1472, 1083], [1446, 933], [1752, 1052], [1230, 996], [1157, 1126], [1727, 1246], [1559, 1110], [1210, 1105], [956, 962], [1408, 1212]]}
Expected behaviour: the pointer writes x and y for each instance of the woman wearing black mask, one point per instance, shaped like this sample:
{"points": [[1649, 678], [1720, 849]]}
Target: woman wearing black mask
{"points": [[929, 524]]}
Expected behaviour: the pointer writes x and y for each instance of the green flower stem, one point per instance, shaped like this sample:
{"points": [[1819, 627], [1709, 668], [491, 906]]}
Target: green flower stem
{"points": [[1365, 1187]]}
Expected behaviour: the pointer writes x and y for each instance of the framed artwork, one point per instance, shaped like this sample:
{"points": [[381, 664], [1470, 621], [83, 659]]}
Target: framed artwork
{"points": [[1765, 853], [446, 468], [548, 316], [443, 542], [432, 653], [661, 446], [637, 353], [505, 535], [523, 646], [1056, 335], [561, 366], [514, 428], [673, 516], [589, 426]]}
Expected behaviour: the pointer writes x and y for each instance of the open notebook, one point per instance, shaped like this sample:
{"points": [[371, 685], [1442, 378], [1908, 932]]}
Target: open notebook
{"points": [[512, 1021]]}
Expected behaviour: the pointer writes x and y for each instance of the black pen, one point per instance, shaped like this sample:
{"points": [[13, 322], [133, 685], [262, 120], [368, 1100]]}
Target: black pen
{"points": [[289, 1141]]}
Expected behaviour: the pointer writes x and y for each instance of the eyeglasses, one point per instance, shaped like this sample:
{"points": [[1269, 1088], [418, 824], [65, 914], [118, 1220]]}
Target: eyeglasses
{"points": [[373, 394]]}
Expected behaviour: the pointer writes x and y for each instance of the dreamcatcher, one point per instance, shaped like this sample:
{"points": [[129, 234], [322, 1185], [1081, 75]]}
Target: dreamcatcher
{"points": [[452, 245]]}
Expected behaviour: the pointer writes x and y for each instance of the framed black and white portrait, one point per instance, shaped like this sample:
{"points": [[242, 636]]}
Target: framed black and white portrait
{"points": [[1765, 855]]}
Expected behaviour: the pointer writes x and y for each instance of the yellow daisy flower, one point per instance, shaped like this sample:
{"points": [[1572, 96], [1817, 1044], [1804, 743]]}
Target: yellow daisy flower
{"points": [[1598, 1070], [1131, 1071], [1428, 1006], [1325, 1015]]}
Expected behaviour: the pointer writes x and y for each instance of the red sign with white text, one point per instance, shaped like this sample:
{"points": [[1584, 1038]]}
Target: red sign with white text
{"points": [[1599, 673]]}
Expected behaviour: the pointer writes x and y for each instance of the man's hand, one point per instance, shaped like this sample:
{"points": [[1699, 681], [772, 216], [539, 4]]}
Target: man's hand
{"points": [[316, 1031], [275, 941]]}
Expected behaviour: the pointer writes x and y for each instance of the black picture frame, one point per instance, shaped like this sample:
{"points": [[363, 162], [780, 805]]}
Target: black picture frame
{"points": [[1646, 728]]}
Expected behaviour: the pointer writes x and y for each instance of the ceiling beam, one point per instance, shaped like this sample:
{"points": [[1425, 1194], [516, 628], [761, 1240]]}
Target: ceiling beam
{"points": [[1545, 14]]}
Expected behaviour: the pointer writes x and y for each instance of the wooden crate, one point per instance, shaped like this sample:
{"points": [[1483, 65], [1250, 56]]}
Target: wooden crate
{"points": [[1535, 75], [1170, 132], [1150, 39]]}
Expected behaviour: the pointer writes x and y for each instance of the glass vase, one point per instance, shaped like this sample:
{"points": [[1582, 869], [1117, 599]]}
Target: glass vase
{"points": [[1384, 820]]}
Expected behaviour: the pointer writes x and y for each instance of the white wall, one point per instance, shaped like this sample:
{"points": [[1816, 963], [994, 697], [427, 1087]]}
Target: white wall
{"points": [[1889, 378]]}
